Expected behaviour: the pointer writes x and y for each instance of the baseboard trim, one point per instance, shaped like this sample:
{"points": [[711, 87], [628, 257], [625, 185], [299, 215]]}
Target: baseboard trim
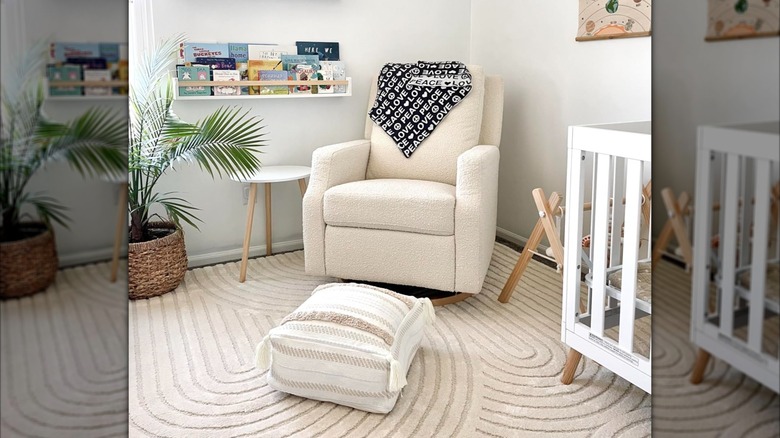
{"points": [[232, 255], [86, 257], [541, 250]]}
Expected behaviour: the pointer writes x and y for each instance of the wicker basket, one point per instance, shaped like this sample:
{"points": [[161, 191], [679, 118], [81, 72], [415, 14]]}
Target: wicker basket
{"points": [[29, 265], [158, 266]]}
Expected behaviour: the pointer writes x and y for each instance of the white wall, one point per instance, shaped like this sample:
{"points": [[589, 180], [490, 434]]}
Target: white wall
{"points": [[703, 83], [551, 82], [92, 203], [370, 34]]}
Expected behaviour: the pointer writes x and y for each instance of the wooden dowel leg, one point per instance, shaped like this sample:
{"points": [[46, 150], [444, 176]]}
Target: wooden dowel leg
{"points": [[522, 263], [268, 248], [572, 360], [120, 231], [302, 185], [250, 213], [702, 358]]}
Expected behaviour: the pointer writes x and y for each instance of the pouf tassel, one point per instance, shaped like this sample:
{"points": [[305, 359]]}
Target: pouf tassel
{"points": [[430, 313], [263, 353], [397, 377]]}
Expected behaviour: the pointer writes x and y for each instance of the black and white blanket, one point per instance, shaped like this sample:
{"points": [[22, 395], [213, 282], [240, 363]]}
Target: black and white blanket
{"points": [[412, 99]]}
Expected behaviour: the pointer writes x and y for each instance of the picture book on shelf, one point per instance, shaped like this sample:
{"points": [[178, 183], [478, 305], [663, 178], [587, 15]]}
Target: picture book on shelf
{"points": [[122, 74], [290, 61], [97, 75], [216, 63], [89, 63], [303, 72], [226, 75], [257, 65], [205, 50], [193, 73], [327, 51], [240, 52], [60, 52], [64, 72], [270, 51], [273, 75], [332, 70]]}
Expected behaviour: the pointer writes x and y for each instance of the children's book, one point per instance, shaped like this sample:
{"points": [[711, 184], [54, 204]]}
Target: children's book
{"points": [[226, 75], [103, 74], [60, 52], [216, 63], [205, 50], [303, 72], [332, 70], [257, 65], [240, 52], [327, 51], [64, 72], [193, 73], [122, 74], [290, 61], [270, 51], [273, 75], [89, 63]]}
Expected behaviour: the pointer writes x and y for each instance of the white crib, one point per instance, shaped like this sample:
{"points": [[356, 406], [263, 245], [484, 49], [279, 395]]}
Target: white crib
{"points": [[617, 298], [734, 312]]}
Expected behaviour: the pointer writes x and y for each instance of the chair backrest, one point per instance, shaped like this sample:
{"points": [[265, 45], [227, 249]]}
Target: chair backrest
{"points": [[475, 120]]}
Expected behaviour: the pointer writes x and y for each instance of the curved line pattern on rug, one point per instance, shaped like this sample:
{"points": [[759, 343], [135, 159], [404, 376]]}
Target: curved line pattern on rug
{"points": [[485, 368]]}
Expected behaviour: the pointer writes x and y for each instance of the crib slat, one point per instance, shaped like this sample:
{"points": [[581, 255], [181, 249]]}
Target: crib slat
{"points": [[572, 236], [729, 243], [618, 192], [746, 212], [630, 254], [599, 242], [759, 256]]}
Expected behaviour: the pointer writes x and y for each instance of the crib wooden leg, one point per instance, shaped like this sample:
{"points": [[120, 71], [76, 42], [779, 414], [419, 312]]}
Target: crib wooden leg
{"points": [[533, 241], [702, 358], [572, 360]]}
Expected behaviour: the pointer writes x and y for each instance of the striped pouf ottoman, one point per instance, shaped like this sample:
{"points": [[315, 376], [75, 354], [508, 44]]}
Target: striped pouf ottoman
{"points": [[350, 344]]}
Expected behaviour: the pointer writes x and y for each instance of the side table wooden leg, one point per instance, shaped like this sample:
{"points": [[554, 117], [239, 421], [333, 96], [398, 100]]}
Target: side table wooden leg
{"points": [[120, 229], [302, 185], [268, 219], [250, 213]]}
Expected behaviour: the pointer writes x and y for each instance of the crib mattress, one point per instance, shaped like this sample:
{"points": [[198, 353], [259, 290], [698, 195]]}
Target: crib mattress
{"points": [[643, 283], [772, 281]]}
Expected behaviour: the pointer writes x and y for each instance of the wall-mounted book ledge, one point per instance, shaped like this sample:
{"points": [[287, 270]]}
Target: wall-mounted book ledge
{"points": [[92, 90], [264, 93]]}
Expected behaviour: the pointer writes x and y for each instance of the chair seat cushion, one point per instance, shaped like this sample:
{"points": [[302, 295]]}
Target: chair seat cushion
{"points": [[350, 344], [423, 207]]}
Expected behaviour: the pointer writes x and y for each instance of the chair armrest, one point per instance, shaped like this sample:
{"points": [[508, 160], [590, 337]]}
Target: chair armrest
{"points": [[476, 199], [331, 165]]}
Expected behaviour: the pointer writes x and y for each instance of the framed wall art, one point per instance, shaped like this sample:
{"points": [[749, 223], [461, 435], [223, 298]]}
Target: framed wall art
{"points": [[609, 19]]}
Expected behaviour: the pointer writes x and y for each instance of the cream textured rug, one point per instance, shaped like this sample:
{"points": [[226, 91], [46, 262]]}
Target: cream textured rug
{"points": [[63, 371], [485, 369], [727, 403]]}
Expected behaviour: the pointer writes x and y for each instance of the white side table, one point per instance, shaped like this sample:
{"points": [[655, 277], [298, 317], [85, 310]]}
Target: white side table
{"points": [[266, 176]]}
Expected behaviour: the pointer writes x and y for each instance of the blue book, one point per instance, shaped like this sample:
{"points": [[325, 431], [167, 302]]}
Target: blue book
{"points": [[290, 61], [273, 75], [205, 50], [327, 51], [60, 52], [110, 52]]}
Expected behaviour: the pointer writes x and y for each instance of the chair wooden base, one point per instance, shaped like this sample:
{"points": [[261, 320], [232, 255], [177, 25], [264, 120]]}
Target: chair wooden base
{"points": [[702, 359], [450, 300], [572, 361]]}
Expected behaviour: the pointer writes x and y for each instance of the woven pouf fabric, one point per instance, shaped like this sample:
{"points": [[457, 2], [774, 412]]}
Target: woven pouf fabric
{"points": [[349, 343]]}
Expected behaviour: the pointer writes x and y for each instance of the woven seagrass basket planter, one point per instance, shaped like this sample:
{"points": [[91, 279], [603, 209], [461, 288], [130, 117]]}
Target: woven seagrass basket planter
{"points": [[29, 265], [158, 266]]}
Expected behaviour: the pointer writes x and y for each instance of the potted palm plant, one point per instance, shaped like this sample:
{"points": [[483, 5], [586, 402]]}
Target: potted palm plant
{"points": [[224, 142], [94, 144]]}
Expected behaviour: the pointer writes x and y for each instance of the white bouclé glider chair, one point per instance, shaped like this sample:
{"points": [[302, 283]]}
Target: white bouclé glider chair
{"points": [[371, 214]]}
